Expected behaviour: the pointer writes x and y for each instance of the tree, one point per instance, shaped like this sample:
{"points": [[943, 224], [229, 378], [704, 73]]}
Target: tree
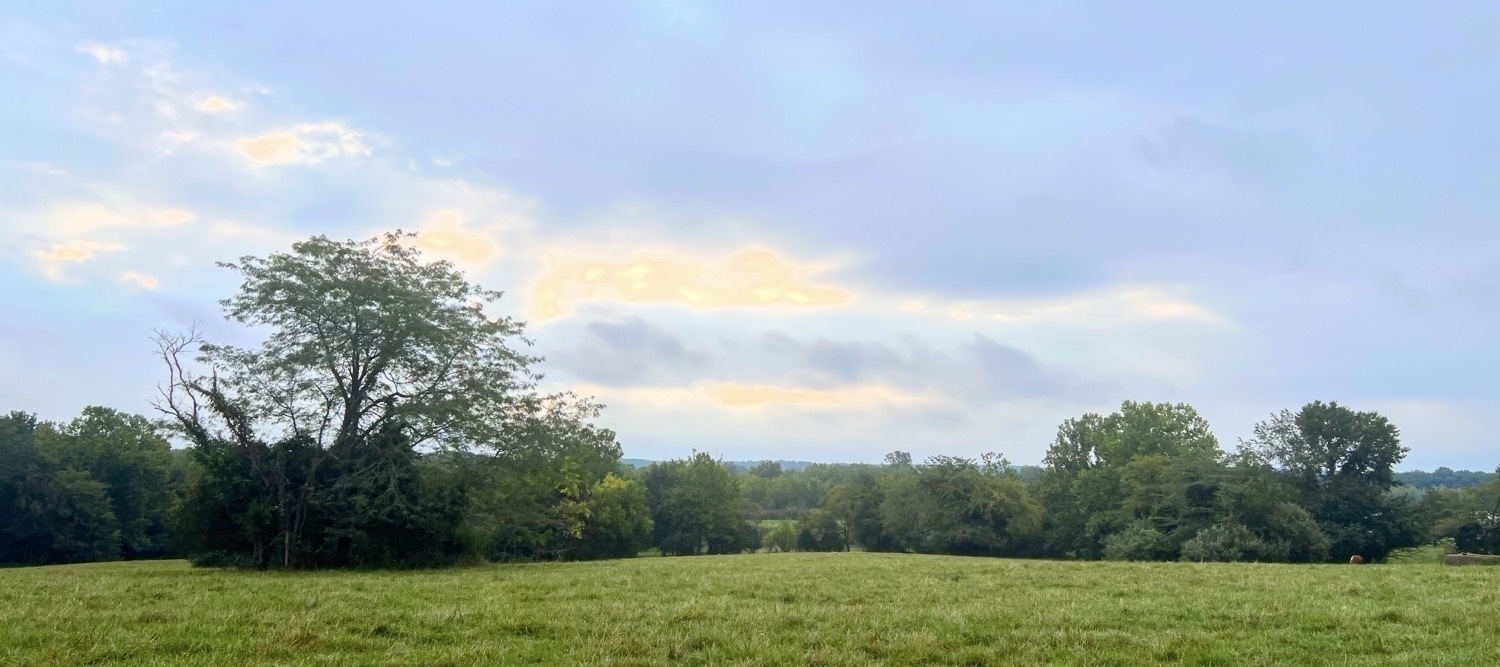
{"points": [[782, 538], [619, 524], [1340, 464], [953, 505], [696, 508], [819, 530], [1092, 472], [767, 469], [132, 458], [857, 505], [365, 345]]}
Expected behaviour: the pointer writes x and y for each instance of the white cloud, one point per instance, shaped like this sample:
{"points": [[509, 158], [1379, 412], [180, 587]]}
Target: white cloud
{"points": [[1110, 306], [306, 142], [217, 104], [106, 55], [139, 280]]}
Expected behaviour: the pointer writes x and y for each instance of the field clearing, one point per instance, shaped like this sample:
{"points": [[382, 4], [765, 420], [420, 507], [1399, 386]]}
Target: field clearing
{"points": [[766, 609]]}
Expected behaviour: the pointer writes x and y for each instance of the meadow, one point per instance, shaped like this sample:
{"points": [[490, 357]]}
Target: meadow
{"points": [[761, 609]]}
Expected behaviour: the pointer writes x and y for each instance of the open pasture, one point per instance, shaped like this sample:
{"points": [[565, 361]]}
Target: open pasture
{"points": [[766, 609]]}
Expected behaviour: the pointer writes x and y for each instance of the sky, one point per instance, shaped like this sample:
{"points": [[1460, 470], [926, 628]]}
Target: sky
{"points": [[789, 230]]}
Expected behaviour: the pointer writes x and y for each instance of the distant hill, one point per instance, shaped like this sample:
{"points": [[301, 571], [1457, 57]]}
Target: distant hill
{"points": [[1444, 477], [737, 465], [1027, 473]]}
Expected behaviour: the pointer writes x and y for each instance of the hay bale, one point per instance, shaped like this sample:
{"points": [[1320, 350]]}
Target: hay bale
{"points": [[1470, 559]]}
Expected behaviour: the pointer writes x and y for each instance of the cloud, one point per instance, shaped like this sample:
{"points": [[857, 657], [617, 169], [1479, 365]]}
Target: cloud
{"points": [[739, 396], [60, 255], [445, 235], [40, 168], [1189, 146], [633, 352], [307, 143], [734, 395], [75, 219], [139, 280], [749, 278], [979, 370], [216, 104], [106, 55], [1111, 306]]}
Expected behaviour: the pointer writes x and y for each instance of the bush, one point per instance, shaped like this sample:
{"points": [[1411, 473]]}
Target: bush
{"points": [[820, 531], [1224, 542], [782, 538], [1138, 542]]}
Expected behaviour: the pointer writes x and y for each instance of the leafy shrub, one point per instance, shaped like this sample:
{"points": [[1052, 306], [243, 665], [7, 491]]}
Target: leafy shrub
{"points": [[782, 538], [1224, 542], [820, 531], [1138, 542]]}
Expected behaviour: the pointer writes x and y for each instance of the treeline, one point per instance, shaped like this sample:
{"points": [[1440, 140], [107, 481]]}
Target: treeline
{"points": [[387, 420], [1145, 483], [1149, 482], [100, 487]]}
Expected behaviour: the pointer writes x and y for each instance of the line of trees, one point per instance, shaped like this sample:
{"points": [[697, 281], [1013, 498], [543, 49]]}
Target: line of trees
{"points": [[387, 420], [1148, 482]]}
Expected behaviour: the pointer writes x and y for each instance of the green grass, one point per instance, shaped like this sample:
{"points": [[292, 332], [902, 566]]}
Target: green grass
{"points": [[767, 609]]}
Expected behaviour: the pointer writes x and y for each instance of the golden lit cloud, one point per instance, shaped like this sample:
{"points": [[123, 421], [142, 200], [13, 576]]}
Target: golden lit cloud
{"points": [[752, 277], [755, 395], [173, 216], [62, 254], [308, 142], [75, 219], [274, 148], [444, 235], [139, 280], [106, 55], [216, 104]]}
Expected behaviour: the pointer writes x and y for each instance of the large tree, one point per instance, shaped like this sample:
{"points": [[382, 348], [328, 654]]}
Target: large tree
{"points": [[365, 347], [696, 507], [1083, 487], [1340, 463]]}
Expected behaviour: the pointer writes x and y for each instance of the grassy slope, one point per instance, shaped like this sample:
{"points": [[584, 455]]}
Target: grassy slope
{"points": [[772, 609]]}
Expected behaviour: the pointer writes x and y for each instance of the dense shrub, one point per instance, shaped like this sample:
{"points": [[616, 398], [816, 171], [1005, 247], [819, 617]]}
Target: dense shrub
{"points": [[1224, 543]]}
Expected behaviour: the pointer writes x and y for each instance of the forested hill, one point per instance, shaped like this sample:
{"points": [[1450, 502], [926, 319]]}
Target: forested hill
{"points": [[1443, 477]]}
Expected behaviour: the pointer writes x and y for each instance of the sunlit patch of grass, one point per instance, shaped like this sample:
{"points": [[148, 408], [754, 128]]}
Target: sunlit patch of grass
{"points": [[765, 609]]}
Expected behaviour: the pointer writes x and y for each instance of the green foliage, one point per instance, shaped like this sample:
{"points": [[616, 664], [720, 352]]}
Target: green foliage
{"points": [[619, 523], [781, 538], [1139, 541], [1339, 465], [1225, 542], [820, 530], [952, 505], [1444, 478], [97, 488], [696, 508], [857, 504], [131, 457], [1105, 472], [310, 445]]}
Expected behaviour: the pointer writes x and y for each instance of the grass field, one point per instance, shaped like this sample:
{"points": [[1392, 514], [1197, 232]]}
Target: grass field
{"points": [[770, 609]]}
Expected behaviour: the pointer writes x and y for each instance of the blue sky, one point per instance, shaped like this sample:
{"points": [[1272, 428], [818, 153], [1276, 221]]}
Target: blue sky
{"points": [[816, 231]]}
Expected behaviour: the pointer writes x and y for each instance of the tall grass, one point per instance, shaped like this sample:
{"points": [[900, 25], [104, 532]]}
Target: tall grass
{"points": [[767, 609]]}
